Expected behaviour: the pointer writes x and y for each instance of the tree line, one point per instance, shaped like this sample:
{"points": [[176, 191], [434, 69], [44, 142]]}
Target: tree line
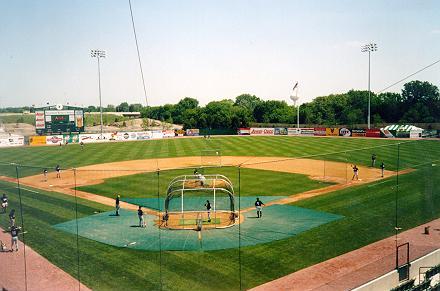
{"points": [[418, 102]]}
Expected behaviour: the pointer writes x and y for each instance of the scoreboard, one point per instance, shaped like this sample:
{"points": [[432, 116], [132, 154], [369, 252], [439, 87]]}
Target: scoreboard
{"points": [[53, 121]]}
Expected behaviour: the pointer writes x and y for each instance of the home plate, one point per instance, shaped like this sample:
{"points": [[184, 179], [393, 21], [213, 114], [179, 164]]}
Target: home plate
{"points": [[50, 185]]}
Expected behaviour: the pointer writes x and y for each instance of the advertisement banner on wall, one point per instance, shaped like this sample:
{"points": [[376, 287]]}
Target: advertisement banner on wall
{"points": [[309, 131], [70, 138], [95, 137], [416, 133], [157, 134], [125, 136], [332, 131], [344, 132], [358, 132], [244, 131], [144, 135], [374, 132], [262, 131], [293, 131], [192, 132], [37, 140], [54, 139], [319, 131], [179, 132], [280, 131], [12, 140], [168, 133]]}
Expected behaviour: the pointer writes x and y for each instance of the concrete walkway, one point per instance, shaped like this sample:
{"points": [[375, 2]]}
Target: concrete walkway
{"points": [[355, 268], [40, 273]]}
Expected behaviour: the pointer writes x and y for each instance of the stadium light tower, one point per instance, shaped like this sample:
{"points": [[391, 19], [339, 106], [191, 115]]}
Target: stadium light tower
{"points": [[371, 47], [99, 54], [295, 99]]}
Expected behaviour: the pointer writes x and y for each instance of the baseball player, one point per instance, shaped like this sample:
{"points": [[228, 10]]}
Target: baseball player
{"points": [[117, 205], [4, 201], [259, 206], [141, 217], [373, 160], [45, 174], [208, 209], [355, 173], [12, 218], [382, 168], [58, 170], [14, 238]]}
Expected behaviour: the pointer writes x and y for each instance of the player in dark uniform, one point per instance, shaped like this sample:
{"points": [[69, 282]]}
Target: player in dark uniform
{"points": [[373, 160], [355, 173], [208, 209], [4, 201], [12, 218], [58, 170], [14, 238], [259, 206], [117, 205], [382, 168], [141, 217]]}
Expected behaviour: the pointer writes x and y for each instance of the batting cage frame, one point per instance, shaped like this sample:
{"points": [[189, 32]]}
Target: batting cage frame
{"points": [[187, 217]]}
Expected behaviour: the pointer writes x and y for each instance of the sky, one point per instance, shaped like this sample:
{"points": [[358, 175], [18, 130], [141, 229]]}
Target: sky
{"points": [[210, 50]]}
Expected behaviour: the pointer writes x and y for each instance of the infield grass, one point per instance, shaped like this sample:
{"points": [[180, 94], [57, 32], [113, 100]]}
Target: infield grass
{"points": [[257, 183]]}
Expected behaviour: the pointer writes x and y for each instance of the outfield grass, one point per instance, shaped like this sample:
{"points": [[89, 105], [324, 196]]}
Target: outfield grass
{"points": [[352, 150], [368, 210], [257, 183]]}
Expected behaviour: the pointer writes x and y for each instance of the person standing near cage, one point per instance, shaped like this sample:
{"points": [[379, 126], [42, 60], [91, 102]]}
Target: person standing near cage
{"points": [[117, 205], [12, 218], [259, 206], [14, 238], [208, 209], [4, 203], [382, 168], [355, 172], [141, 217]]}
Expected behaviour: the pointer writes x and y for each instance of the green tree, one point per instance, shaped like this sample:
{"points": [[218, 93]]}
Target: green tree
{"points": [[123, 107], [247, 101]]}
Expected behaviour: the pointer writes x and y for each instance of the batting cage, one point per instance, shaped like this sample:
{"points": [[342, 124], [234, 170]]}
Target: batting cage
{"points": [[198, 198]]}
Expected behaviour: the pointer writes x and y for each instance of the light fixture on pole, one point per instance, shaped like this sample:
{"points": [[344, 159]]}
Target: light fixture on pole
{"points": [[371, 47], [99, 54], [295, 99]]}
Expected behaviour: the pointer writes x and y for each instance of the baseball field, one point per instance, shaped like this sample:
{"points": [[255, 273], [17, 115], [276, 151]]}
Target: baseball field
{"points": [[313, 210]]}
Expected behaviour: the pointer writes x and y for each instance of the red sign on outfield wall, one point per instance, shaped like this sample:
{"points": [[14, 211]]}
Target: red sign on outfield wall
{"points": [[374, 132], [262, 131], [319, 131]]}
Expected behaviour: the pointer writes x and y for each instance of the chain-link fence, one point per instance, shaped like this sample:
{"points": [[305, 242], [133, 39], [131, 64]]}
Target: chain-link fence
{"points": [[232, 224]]}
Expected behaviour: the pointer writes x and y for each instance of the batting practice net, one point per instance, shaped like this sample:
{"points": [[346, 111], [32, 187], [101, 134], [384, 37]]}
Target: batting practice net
{"points": [[190, 198]]}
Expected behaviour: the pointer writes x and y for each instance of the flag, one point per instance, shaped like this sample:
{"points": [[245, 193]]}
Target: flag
{"points": [[294, 87]]}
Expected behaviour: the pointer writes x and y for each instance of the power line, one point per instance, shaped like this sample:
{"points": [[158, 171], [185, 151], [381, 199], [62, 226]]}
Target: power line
{"points": [[139, 55], [409, 76]]}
